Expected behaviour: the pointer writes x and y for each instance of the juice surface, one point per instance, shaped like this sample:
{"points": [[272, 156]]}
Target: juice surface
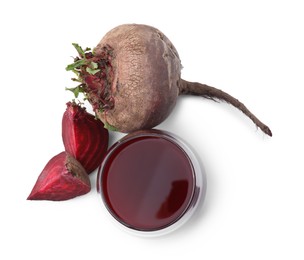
{"points": [[147, 183]]}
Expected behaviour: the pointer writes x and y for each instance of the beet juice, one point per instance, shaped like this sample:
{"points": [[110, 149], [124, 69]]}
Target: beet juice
{"points": [[148, 181]]}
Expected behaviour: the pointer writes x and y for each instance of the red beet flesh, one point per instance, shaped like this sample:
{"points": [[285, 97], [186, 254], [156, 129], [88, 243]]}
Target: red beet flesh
{"points": [[62, 178], [84, 136]]}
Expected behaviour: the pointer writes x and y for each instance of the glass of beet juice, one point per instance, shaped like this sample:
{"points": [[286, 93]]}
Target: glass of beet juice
{"points": [[150, 182]]}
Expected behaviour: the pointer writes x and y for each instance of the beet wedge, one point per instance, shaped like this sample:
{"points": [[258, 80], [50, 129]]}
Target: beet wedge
{"points": [[84, 136], [62, 178]]}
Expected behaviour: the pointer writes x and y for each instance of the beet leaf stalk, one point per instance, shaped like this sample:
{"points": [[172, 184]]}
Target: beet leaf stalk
{"points": [[203, 90]]}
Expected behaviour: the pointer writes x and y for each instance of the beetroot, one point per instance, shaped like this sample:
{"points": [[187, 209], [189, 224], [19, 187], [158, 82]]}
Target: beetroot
{"points": [[62, 178], [132, 78], [84, 137]]}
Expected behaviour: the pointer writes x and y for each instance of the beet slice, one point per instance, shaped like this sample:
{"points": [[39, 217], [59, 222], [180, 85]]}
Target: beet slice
{"points": [[62, 178], [84, 136]]}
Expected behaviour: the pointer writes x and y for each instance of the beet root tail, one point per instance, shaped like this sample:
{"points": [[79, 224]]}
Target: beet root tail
{"points": [[198, 89]]}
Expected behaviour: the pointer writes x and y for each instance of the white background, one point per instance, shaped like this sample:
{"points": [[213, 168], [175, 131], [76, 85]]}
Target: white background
{"points": [[254, 205]]}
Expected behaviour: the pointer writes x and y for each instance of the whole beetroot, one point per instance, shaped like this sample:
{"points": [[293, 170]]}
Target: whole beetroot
{"points": [[132, 78]]}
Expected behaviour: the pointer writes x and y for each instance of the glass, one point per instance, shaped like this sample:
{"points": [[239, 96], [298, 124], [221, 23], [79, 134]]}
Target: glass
{"points": [[150, 182]]}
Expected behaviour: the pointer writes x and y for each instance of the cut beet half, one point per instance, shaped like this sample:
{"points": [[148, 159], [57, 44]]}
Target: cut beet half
{"points": [[150, 182]]}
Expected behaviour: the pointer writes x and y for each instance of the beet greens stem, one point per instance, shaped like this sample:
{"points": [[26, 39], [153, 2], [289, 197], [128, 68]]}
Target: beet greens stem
{"points": [[198, 89]]}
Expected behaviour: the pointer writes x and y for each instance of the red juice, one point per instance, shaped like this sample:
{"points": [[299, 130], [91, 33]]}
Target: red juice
{"points": [[147, 181]]}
